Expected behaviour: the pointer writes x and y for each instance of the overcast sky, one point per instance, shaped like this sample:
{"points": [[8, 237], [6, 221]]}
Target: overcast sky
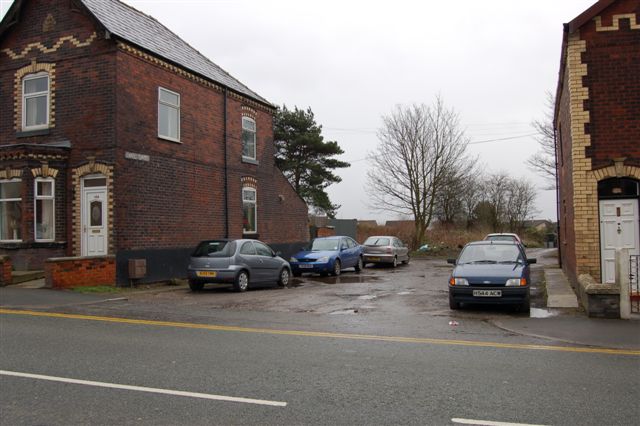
{"points": [[353, 61]]}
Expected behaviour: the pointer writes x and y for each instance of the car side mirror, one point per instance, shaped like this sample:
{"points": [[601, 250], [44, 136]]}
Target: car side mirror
{"points": [[277, 253], [532, 260], [451, 261]]}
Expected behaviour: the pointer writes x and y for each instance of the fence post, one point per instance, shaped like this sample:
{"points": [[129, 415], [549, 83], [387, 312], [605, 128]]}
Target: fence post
{"points": [[623, 279]]}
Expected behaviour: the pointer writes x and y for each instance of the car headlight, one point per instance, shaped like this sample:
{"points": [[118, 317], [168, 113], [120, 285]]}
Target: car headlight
{"points": [[293, 259], [458, 281], [516, 282], [324, 259]]}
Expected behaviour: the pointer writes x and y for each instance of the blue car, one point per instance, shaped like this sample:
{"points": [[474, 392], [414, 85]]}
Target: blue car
{"points": [[490, 272], [328, 255]]}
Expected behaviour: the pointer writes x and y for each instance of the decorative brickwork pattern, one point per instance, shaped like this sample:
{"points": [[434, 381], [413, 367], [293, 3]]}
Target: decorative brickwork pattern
{"points": [[76, 177], [248, 181], [616, 22], [249, 112], [44, 171], [17, 92], [585, 193], [67, 272], [189, 75], [38, 45], [10, 173]]}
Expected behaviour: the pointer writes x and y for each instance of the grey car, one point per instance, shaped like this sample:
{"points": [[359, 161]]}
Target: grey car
{"points": [[242, 263], [385, 249]]}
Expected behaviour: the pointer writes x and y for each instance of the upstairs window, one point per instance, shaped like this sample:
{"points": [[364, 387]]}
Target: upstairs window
{"points": [[249, 210], [168, 115], [35, 101], [248, 138], [44, 209], [10, 210]]}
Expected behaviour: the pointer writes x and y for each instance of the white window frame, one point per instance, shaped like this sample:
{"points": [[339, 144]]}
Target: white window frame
{"points": [[11, 199], [255, 132], [26, 96], [37, 197], [255, 208], [170, 105]]}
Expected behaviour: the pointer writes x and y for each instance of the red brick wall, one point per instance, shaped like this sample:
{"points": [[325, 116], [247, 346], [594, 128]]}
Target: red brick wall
{"points": [[177, 198], [613, 70], [70, 272], [5, 271], [566, 239]]}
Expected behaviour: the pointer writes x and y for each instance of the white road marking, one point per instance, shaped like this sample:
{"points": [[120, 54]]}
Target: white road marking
{"points": [[145, 389], [489, 423]]}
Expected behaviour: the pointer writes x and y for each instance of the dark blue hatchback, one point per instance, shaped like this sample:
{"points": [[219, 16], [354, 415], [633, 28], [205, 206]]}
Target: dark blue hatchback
{"points": [[490, 272]]}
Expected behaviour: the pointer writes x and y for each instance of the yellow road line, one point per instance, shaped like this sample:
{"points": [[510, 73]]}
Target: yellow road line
{"points": [[370, 337]]}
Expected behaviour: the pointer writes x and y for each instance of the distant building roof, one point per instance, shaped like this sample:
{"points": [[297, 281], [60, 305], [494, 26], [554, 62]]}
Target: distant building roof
{"points": [[367, 223]]}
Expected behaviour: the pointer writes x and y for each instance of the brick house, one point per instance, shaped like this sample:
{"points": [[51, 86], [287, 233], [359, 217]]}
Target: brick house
{"points": [[119, 139], [597, 125]]}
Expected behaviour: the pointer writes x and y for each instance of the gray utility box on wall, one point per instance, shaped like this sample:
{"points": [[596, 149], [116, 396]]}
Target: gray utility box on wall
{"points": [[137, 268]]}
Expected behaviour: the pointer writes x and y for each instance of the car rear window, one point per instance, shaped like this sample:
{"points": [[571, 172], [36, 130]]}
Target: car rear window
{"points": [[376, 241], [214, 249]]}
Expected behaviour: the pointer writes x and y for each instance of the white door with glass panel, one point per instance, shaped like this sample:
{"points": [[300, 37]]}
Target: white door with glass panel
{"points": [[618, 229], [94, 217]]}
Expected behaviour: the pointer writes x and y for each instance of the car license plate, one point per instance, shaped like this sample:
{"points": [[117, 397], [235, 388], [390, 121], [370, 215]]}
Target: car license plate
{"points": [[206, 273], [305, 266], [374, 259], [487, 293]]}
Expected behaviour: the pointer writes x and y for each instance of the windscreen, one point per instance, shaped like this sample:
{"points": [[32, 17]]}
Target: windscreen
{"points": [[488, 253], [325, 244], [216, 248], [377, 241]]}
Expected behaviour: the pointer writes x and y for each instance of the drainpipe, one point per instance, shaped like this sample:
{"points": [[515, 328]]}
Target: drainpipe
{"points": [[226, 190]]}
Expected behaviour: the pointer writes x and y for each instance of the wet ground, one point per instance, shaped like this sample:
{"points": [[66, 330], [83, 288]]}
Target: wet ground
{"points": [[419, 288]]}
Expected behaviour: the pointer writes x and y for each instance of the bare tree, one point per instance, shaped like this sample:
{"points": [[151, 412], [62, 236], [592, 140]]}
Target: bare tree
{"points": [[520, 203], [419, 144], [543, 162]]}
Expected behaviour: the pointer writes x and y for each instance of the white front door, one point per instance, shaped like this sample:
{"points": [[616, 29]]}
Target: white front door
{"points": [[618, 229], [94, 222]]}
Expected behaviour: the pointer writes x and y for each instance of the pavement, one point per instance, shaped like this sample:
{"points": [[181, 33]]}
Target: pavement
{"points": [[562, 321]]}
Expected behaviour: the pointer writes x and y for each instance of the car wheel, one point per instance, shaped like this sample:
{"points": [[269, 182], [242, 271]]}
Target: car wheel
{"points": [[337, 268], [395, 261], [195, 286], [359, 265], [242, 281], [452, 303], [283, 281]]}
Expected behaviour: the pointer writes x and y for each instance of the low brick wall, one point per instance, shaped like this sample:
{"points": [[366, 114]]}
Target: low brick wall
{"points": [[5, 271], [599, 300], [66, 272]]}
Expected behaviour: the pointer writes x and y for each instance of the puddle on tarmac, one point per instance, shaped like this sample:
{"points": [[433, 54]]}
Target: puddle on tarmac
{"points": [[348, 279], [295, 282], [345, 312], [368, 297], [404, 293], [541, 313]]}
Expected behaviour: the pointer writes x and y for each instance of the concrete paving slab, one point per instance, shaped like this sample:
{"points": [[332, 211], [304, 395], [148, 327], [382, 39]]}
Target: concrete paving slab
{"points": [[560, 294]]}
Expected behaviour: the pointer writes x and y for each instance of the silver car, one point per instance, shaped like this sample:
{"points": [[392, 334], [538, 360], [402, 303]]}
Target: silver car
{"points": [[385, 249], [242, 263]]}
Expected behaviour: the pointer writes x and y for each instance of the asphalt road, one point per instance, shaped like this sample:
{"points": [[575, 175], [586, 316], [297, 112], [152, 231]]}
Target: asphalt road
{"points": [[380, 347], [322, 379]]}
